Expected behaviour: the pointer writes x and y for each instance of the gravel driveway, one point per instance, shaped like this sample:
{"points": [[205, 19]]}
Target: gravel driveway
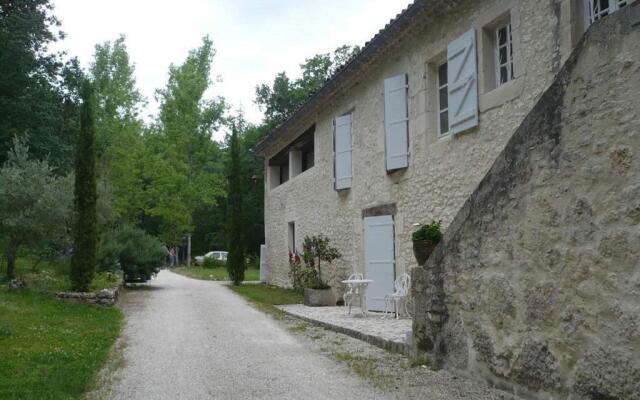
{"points": [[190, 339]]}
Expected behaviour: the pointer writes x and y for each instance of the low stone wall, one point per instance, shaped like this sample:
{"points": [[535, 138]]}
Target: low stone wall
{"points": [[105, 297], [536, 285]]}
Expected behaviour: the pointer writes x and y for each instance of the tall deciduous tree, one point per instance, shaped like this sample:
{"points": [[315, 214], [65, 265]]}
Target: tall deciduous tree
{"points": [[189, 174], [235, 221], [31, 93], [35, 205], [83, 262], [284, 96], [119, 129]]}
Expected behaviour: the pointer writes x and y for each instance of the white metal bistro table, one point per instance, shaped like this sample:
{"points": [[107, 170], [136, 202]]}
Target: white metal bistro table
{"points": [[361, 287]]}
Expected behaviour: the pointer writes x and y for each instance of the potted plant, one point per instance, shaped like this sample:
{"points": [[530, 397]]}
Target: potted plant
{"points": [[425, 240], [316, 249]]}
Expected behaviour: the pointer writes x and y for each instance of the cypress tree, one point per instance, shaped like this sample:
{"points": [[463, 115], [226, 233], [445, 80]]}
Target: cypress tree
{"points": [[85, 232], [235, 243]]}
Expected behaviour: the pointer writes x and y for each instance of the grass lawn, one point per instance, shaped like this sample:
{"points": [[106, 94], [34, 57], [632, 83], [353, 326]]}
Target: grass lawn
{"points": [[51, 349], [215, 274], [265, 297]]}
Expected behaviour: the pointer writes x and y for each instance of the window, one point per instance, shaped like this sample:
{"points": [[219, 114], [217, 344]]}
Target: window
{"points": [[601, 8], [291, 236], [443, 100], [504, 54], [294, 159]]}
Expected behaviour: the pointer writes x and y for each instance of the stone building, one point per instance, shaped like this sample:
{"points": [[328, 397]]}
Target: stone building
{"points": [[536, 284], [404, 133]]}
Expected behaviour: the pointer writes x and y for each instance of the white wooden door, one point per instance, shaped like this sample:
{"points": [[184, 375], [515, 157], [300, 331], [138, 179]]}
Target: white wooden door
{"points": [[379, 258]]}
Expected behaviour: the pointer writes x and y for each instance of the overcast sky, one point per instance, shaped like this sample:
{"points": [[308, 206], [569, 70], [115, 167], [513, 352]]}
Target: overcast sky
{"points": [[254, 39]]}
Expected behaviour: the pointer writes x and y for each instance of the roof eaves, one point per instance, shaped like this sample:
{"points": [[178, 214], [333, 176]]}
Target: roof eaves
{"points": [[369, 49]]}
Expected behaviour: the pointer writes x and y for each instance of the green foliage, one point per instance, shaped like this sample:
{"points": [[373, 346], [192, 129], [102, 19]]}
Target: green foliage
{"points": [[306, 271], [316, 249], [35, 205], [301, 275], [430, 232], [185, 171], [136, 252], [284, 96], [210, 263], [51, 349], [235, 240], [83, 262], [119, 129], [34, 91]]}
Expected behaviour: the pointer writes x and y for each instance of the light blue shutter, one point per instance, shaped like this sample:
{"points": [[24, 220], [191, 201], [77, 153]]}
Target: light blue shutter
{"points": [[342, 138], [396, 122], [462, 70]]}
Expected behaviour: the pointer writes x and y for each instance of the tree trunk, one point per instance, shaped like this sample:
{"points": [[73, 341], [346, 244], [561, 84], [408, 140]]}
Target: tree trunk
{"points": [[188, 250], [11, 263]]}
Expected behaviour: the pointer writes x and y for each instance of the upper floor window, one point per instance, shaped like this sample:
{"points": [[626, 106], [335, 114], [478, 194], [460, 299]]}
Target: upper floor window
{"points": [[601, 8], [504, 54], [443, 100], [294, 159]]}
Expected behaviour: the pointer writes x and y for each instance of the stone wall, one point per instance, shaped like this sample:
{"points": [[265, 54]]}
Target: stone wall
{"points": [[443, 171], [536, 285]]}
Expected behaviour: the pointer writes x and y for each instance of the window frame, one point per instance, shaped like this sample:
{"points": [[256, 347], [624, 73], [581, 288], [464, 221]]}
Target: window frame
{"points": [[439, 88], [614, 5], [291, 236], [508, 63]]}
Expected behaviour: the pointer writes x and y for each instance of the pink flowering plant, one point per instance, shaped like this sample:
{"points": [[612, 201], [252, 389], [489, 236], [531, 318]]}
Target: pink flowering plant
{"points": [[301, 275]]}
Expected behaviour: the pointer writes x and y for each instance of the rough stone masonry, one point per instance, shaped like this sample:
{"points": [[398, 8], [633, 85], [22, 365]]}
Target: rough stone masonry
{"points": [[536, 286]]}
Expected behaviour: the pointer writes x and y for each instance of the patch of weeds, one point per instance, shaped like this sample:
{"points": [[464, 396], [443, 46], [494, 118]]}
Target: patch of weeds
{"points": [[424, 361], [299, 328], [365, 367]]}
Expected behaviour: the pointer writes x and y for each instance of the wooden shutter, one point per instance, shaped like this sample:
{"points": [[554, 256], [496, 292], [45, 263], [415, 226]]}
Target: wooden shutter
{"points": [[396, 122], [462, 70], [342, 146]]}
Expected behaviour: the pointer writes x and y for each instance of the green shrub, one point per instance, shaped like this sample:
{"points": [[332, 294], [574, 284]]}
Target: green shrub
{"points": [[301, 275], [430, 232], [137, 253], [212, 263]]}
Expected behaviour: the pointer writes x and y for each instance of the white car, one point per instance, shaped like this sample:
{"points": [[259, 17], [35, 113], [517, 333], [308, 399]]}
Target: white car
{"points": [[216, 255]]}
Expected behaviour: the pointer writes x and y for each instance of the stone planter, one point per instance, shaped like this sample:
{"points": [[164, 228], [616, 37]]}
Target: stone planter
{"points": [[422, 249], [319, 297]]}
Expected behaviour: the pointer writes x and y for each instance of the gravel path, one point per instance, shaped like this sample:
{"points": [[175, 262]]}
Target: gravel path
{"points": [[190, 339]]}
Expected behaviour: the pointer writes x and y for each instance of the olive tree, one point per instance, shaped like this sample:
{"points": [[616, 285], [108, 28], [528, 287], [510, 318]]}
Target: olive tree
{"points": [[35, 205]]}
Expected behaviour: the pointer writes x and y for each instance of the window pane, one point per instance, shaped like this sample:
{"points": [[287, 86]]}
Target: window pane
{"points": [[502, 36], [502, 57], [444, 99], [444, 122], [442, 74], [504, 74]]}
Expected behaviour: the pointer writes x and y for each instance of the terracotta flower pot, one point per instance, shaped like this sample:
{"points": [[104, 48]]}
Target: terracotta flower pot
{"points": [[422, 249], [319, 297]]}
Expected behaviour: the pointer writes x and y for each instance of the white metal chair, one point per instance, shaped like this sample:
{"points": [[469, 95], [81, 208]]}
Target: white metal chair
{"points": [[352, 294], [399, 297]]}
